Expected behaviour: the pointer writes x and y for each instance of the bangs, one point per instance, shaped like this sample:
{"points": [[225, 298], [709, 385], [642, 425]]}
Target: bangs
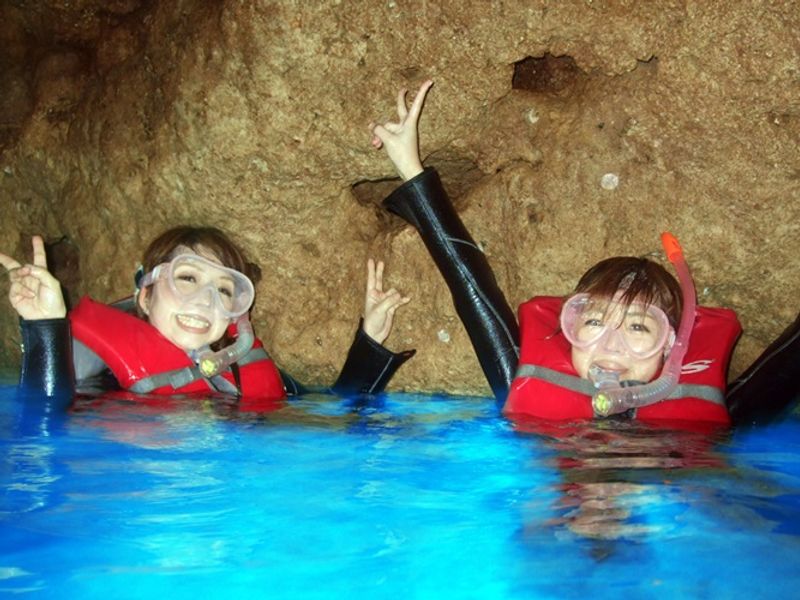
{"points": [[199, 239], [636, 280]]}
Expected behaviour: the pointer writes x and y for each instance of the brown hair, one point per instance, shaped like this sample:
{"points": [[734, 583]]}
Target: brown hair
{"points": [[640, 279], [163, 249]]}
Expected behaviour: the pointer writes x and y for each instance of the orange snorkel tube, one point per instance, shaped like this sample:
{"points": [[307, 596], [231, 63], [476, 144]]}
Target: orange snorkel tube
{"points": [[619, 399]]}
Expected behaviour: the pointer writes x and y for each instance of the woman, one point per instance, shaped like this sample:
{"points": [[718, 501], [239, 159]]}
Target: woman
{"points": [[189, 331], [616, 288]]}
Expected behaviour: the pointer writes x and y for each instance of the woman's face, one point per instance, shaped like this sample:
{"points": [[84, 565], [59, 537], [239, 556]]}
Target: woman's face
{"points": [[623, 337], [191, 324]]}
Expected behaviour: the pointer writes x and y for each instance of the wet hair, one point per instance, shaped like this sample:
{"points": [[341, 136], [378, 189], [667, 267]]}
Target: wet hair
{"points": [[165, 247], [640, 280]]}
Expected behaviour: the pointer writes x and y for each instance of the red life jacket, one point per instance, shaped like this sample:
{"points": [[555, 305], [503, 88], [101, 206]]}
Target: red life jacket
{"points": [[547, 385], [144, 361]]}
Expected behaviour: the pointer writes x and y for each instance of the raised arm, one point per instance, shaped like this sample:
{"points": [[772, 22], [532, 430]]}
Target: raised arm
{"points": [[370, 365], [36, 296], [770, 386], [401, 138], [380, 306], [422, 201]]}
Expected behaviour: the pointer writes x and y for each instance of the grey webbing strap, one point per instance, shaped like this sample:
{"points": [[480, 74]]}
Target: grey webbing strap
{"points": [[694, 390], [584, 386], [176, 378], [223, 385], [254, 355], [570, 382]]}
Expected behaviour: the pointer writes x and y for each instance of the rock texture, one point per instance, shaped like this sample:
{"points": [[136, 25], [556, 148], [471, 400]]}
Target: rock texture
{"points": [[119, 119]]}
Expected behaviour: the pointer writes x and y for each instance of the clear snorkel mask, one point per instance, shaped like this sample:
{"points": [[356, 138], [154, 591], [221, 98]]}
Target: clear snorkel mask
{"points": [[225, 293], [641, 331]]}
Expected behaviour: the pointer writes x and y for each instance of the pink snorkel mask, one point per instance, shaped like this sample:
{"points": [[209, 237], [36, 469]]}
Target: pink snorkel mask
{"points": [[641, 332]]}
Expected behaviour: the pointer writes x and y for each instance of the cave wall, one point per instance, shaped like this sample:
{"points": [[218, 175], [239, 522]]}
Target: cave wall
{"points": [[119, 119]]}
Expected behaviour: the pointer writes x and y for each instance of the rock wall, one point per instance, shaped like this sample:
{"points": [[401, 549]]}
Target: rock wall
{"points": [[119, 119]]}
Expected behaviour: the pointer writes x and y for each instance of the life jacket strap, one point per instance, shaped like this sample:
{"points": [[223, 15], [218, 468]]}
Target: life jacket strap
{"points": [[583, 386], [177, 378], [254, 355], [570, 382]]}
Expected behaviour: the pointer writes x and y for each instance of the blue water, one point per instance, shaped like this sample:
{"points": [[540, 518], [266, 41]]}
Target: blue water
{"points": [[405, 497]]}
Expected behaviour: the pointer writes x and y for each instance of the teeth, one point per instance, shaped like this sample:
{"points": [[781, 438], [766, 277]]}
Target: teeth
{"points": [[191, 321]]}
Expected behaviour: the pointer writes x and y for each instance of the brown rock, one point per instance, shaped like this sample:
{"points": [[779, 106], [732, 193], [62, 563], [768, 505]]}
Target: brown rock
{"points": [[120, 119]]}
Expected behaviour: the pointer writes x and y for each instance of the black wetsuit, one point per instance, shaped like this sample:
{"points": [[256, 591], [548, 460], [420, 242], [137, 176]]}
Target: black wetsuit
{"points": [[763, 391], [48, 368]]}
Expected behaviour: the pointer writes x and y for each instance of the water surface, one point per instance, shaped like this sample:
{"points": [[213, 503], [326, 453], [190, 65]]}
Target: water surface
{"points": [[405, 496]]}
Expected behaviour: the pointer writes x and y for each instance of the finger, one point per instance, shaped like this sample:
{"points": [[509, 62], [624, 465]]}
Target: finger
{"points": [[9, 263], [380, 132], [19, 274], [419, 99], [31, 282], [375, 141], [388, 301], [370, 275], [390, 316], [401, 301], [39, 256], [402, 109], [379, 276], [28, 290], [40, 275], [18, 290], [393, 309]]}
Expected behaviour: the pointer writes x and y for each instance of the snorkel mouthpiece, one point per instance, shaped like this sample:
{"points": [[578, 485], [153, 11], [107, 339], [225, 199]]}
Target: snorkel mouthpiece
{"points": [[614, 400], [603, 379], [213, 363]]}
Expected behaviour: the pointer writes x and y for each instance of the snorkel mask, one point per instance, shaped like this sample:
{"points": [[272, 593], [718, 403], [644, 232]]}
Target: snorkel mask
{"points": [[641, 331], [225, 293]]}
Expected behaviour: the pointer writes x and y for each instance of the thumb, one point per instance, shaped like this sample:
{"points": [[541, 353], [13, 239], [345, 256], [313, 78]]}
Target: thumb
{"points": [[379, 133]]}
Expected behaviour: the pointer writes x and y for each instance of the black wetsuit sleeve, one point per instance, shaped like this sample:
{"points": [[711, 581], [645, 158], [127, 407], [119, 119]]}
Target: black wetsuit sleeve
{"points": [[771, 384], [369, 366], [291, 385], [47, 358], [478, 300]]}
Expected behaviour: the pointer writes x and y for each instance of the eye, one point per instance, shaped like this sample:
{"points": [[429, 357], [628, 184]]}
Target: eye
{"points": [[593, 322], [188, 278], [639, 328], [227, 292]]}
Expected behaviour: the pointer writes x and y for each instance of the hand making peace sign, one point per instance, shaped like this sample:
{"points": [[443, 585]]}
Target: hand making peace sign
{"points": [[35, 294], [401, 139]]}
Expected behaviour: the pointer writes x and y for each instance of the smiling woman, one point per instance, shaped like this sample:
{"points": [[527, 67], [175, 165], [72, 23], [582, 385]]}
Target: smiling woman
{"points": [[631, 341], [188, 329]]}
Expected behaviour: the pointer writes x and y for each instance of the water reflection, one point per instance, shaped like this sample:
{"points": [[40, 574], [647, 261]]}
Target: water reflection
{"points": [[29, 469], [617, 476]]}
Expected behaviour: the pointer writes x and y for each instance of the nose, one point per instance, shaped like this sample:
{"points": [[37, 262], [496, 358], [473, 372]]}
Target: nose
{"points": [[204, 297], [612, 340]]}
